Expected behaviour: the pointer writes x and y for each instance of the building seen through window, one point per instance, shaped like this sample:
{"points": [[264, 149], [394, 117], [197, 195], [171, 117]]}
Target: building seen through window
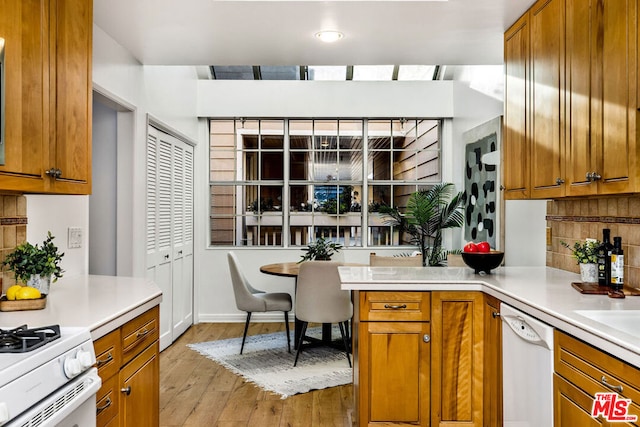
{"points": [[285, 182]]}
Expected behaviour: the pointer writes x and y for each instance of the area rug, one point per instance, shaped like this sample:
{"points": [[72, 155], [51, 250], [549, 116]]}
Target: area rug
{"points": [[266, 363]]}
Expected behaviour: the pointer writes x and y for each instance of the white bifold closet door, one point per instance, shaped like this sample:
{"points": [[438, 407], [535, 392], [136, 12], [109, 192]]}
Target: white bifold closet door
{"points": [[170, 230]]}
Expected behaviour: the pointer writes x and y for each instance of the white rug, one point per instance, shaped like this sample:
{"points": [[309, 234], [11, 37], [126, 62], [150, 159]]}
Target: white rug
{"points": [[266, 363]]}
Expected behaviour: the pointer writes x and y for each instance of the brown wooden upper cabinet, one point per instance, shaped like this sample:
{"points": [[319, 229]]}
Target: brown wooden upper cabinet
{"points": [[48, 51], [578, 99]]}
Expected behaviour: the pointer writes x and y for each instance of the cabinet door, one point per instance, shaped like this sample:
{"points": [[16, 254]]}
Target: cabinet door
{"points": [[547, 99], [71, 86], [182, 213], [394, 373], [140, 390], [516, 108], [492, 363], [572, 406], [24, 27], [580, 148], [457, 364], [615, 108]]}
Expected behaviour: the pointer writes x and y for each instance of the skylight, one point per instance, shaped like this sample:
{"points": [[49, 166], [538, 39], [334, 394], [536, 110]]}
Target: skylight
{"points": [[326, 72]]}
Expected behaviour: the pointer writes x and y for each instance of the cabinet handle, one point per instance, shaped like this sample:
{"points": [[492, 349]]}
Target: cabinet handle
{"points": [[559, 181], [166, 256], [593, 176], [426, 338], [142, 333], [126, 390], [395, 307], [104, 361], [107, 403], [604, 382], [495, 314], [53, 173]]}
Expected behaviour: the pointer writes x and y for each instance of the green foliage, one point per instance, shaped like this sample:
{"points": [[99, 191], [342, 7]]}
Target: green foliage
{"points": [[321, 249], [584, 252], [28, 259], [429, 212]]}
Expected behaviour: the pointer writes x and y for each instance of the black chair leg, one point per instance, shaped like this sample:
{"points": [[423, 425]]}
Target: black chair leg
{"points": [[286, 325], [246, 328], [344, 340], [302, 332]]}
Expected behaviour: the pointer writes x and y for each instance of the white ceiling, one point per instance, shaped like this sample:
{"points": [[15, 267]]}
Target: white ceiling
{"points": [[213, 32]]}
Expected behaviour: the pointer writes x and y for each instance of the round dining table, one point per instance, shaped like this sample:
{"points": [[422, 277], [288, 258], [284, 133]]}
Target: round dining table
{"points": [[291, 269], [284, 269]]}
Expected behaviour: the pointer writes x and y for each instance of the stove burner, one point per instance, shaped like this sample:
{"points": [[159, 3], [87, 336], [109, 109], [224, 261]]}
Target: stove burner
{"points": [[23, 339]]}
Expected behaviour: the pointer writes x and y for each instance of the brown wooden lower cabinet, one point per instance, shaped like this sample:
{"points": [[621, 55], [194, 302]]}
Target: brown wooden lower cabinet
{"points": [[581, 371], [128, 364], [457, 359], [420, 359], [572, 406]]}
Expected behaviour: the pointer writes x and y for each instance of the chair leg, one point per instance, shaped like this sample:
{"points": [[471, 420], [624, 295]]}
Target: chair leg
{"points": [[344, 340], [286, 325], [302, 332], [246, 328]]}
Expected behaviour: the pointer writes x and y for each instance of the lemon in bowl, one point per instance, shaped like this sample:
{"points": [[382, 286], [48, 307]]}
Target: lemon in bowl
{"points": [[27, 292], [11, 292]]}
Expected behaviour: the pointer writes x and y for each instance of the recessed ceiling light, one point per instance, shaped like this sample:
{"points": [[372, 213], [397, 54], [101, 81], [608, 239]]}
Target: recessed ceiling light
{"points": [[329, 36]]}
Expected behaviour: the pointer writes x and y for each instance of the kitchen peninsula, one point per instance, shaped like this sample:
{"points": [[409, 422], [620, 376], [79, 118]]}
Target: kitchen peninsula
{"points": [[440, 327]]}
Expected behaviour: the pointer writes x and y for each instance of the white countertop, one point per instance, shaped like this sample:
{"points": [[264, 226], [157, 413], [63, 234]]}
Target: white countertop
{"points": [[100, 303], [544, 293]]}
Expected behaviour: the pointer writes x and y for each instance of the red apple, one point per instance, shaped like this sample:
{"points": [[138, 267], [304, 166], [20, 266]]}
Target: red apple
{"points": [[470, 247], [483, 247]]}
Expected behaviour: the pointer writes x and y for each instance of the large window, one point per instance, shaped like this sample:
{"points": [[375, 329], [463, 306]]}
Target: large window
{"points": [[286, 182]]}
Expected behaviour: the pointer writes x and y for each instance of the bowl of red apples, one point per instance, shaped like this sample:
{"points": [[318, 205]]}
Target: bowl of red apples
{"points": [[480, 257]]}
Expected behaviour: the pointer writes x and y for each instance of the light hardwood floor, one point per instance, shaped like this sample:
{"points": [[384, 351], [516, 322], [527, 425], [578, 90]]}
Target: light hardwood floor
{"points": [[195, 391]]}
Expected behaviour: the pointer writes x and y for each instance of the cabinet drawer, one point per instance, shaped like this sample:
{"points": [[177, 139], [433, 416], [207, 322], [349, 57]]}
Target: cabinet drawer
{"points": [[395, 306], [594, 371], [108, 352], [138, 333], [107, 401]]}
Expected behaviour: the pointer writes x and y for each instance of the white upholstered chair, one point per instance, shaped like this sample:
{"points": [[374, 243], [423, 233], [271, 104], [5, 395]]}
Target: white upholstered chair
{"points": [[319, 299], [394, 261], [252, 300]]}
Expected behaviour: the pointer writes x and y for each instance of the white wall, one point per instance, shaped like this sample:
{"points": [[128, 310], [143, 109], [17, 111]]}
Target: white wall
{"points": [[103, 201], [525, 228], [57, 214]]}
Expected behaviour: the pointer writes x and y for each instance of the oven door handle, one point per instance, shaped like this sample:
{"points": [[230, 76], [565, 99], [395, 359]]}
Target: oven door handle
{"points": [[49, 412]]}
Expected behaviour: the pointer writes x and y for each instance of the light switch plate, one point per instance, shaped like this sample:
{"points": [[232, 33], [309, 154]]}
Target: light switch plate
{"points": [[74, 238]]}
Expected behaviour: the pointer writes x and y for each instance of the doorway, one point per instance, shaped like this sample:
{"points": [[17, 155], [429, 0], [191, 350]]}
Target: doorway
{"points": [[110, 204]]}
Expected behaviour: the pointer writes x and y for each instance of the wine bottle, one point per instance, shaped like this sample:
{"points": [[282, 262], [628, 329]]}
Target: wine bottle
{"points": [[617, 264], [603, 256]]}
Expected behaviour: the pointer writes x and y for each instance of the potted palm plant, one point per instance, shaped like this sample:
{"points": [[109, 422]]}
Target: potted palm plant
{"points": [[36, 265], [585, 254], [428, 213]]}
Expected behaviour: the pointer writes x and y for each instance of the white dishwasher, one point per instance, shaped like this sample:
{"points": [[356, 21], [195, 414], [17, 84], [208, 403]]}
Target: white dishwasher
{"points": [[527, 370]]}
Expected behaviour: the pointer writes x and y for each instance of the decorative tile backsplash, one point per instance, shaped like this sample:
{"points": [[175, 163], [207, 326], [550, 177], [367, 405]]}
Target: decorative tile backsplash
{"points": [[13, 228], [577, 219]]}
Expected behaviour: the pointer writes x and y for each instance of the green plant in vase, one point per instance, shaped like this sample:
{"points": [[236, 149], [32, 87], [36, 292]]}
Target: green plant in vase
{"points": [[36, 265], [585, 253], [321, 250]]}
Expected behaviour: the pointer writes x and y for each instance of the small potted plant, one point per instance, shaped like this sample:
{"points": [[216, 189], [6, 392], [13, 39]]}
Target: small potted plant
{"points": [[320, 250], [36, 265], [585, 253]]}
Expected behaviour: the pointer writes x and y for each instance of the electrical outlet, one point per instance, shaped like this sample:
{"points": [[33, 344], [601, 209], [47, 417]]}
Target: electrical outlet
{"points": [[549, 238], [74, 237]]}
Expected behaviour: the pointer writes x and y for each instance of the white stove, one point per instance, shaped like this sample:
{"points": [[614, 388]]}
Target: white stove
{"points": [[47, 377]]}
